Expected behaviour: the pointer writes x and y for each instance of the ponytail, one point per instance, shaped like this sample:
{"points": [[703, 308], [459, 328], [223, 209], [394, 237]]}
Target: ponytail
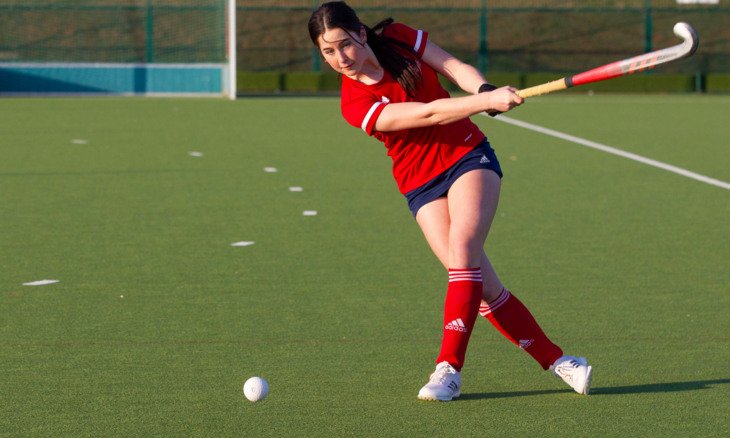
{"points": [[396, 57]]}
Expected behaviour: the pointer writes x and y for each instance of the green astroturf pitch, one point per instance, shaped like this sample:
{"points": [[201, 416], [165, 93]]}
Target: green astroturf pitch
{"points": [[156, 320]]}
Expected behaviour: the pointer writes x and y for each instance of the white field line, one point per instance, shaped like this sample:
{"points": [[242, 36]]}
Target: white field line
{"points": [[614, 151]]}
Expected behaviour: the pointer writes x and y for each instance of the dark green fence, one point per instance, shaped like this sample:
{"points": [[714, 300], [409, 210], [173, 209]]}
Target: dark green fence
{"points": [[501, 36], [507, 37], [123, 31]]}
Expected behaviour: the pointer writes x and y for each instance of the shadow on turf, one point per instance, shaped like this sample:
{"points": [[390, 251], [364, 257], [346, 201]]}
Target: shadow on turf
{"points": [[659, 387], [483, 395], [616, 390]]}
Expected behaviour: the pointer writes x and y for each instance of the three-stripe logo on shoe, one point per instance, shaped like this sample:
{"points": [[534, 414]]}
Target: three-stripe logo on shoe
{"points": [[457, 325]]}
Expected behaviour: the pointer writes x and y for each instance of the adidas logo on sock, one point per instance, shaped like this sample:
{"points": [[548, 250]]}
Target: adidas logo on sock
{"points": [[457, 325], [484, 159], [525, 343]]}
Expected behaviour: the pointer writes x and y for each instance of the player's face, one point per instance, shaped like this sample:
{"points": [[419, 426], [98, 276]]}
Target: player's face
{"points": [[344, 51]]}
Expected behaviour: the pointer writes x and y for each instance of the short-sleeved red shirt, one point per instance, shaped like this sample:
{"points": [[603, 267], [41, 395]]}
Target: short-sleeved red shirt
{"points": [[418, 154]]}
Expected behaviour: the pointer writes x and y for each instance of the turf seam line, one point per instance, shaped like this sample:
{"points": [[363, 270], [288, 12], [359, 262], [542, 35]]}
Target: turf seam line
{"points": [[614, 151]]}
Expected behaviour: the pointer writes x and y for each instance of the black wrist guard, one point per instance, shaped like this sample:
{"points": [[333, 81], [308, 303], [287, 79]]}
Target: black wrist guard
{"points": [[486, 87]]}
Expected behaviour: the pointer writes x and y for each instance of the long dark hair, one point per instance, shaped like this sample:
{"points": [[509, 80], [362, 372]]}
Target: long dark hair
{"points": [[395, 57]]}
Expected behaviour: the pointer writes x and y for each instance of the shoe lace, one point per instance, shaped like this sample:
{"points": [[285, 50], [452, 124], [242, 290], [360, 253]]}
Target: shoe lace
{"points": [[565, 369], [441, 374]]}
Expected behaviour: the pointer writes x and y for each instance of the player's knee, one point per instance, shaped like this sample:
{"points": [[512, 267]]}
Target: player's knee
{"points": [[467, 252]]}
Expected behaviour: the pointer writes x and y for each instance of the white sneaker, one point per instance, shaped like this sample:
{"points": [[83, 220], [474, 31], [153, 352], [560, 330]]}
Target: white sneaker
{"points": [[443, 385], [575, 371]]}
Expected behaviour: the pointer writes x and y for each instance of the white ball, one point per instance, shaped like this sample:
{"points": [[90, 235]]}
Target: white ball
{"points": [[256, 389]]}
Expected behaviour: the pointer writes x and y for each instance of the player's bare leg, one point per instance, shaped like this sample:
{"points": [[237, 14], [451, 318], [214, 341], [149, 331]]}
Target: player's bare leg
{"points": [[436, 222], [462, 222]]}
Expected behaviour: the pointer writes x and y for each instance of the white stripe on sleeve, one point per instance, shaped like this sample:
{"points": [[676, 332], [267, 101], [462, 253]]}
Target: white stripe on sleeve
{"points": [[419, 38], [366, 120]]}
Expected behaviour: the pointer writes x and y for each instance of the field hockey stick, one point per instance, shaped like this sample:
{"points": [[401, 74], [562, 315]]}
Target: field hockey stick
{"points": [[625, 67]]}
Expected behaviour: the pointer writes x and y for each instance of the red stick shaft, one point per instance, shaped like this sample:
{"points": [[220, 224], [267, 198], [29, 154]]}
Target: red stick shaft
{"points": [[604, 72]]}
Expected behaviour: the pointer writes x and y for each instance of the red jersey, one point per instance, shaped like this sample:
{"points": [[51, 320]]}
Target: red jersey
{"points": [[418, 154]]}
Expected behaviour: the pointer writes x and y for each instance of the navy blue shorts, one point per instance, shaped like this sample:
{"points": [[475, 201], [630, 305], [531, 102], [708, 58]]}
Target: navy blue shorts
{"points": [[481, 157]]}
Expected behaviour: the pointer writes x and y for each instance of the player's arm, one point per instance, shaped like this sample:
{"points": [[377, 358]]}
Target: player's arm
{"points": [[458, 72], [409, 115]]}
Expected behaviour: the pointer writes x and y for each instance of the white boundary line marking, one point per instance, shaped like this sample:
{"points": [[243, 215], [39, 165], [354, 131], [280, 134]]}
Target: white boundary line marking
{"points": [[40, 282], [614, 151]]}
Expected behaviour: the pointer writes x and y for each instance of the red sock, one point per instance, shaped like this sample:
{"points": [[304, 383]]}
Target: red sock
{"points": [[460, 313], [516, 323]]}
